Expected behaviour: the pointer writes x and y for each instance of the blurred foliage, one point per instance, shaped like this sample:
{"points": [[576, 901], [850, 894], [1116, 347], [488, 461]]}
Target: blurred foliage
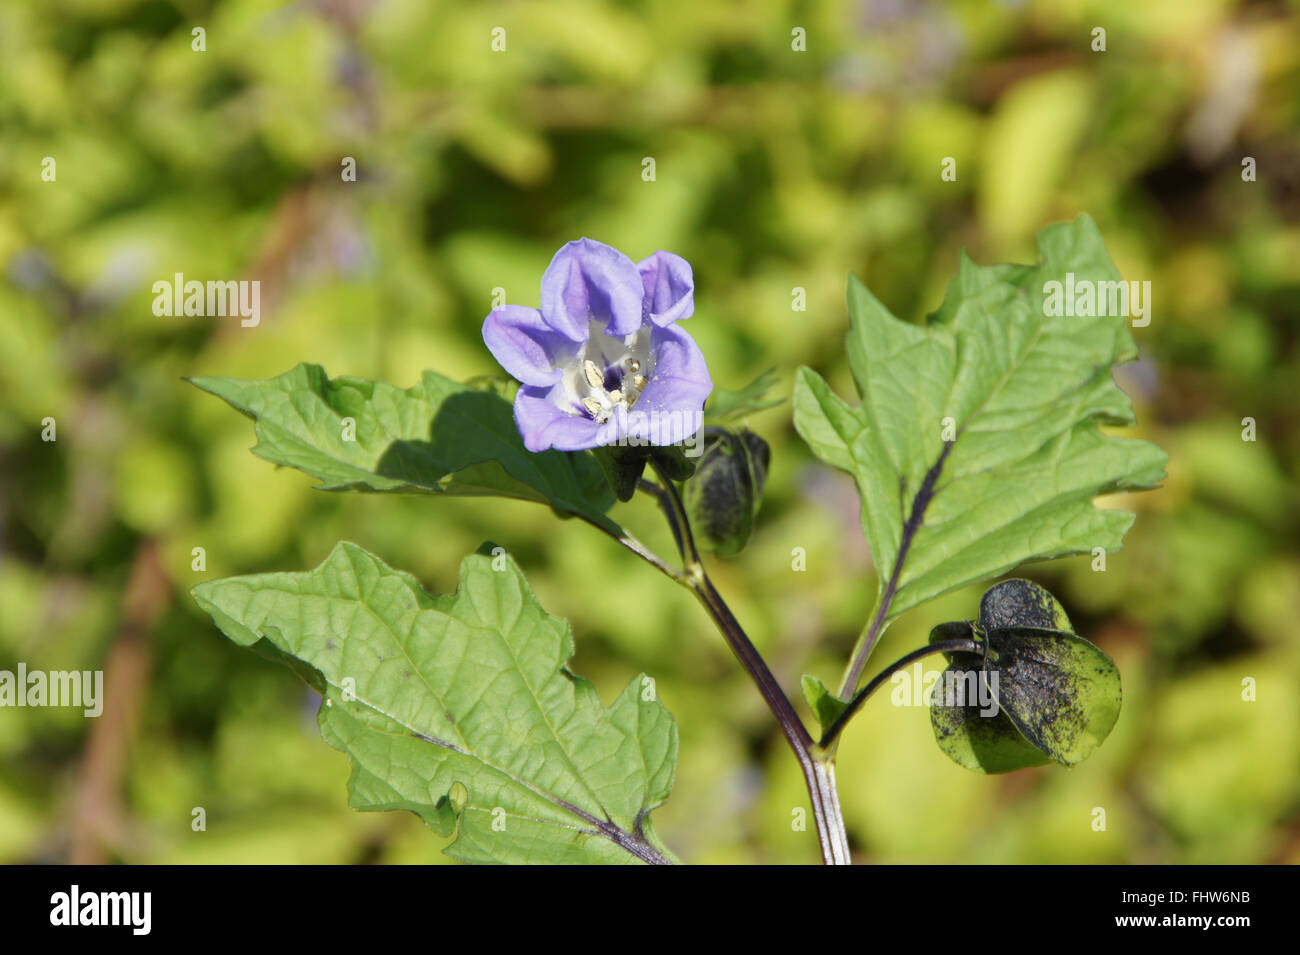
{"points": [[775, 170]]}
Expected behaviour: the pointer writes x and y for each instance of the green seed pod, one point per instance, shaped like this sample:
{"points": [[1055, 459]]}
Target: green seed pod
{"points": [[723, 495]]}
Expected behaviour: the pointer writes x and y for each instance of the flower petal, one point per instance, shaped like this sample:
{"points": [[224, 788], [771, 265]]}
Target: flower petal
{"points": [[543, 425], [671, 408], [524, 344], [669, 287], [589, 281]]}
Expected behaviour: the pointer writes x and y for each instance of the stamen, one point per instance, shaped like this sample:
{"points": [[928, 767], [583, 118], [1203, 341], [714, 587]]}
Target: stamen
{"points": [[619, 383]]}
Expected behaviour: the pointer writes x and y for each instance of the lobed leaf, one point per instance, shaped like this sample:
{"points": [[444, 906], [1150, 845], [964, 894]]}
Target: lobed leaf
{"points": [[439, 436], [977, 445], [461, 709]]}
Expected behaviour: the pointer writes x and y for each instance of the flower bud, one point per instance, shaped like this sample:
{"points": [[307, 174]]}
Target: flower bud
{"points": [[723, 495]]}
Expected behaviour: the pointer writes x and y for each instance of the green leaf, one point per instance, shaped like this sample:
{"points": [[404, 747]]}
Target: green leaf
{"points": [[439, 436], [826, 706], [978, 443], [461, 709], [1059, 696], [730, 406]]}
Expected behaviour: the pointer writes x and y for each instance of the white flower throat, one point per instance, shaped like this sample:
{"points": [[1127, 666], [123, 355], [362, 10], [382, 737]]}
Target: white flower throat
{"points": [[608, 372]]}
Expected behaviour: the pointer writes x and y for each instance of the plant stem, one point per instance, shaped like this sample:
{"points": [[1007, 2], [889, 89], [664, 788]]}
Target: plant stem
{"points": [[866, 642], [818, 767], [645, 553], [872, 632], [877, 681], [659, 494]]}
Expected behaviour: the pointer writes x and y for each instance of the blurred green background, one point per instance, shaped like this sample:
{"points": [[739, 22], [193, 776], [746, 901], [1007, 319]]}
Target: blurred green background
{"points": [[775, 169]]}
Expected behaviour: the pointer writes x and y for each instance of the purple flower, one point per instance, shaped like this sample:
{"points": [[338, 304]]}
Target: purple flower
{"points": [[603, 361]]}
